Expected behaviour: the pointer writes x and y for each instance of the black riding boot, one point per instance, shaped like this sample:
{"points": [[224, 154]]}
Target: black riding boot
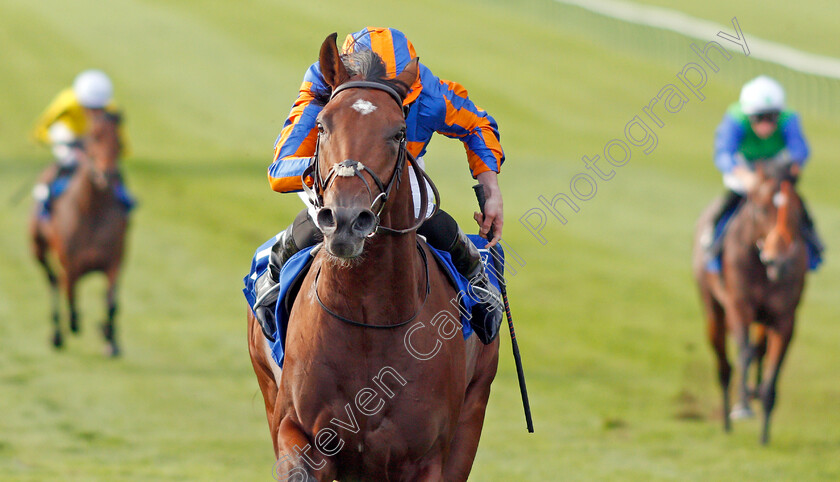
{"points": [[302, 233], [712, 246], [486, 316], [442, 232]]}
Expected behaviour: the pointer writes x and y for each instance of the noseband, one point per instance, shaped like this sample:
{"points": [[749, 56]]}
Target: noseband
{"points": [[353, 168]]}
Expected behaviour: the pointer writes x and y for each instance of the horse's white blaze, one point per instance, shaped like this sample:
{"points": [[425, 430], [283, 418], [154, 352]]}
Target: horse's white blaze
{"points": [[363, 106]]}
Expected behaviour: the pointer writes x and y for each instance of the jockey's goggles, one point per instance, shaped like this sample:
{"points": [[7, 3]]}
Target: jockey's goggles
{"points": [[765, 117]]}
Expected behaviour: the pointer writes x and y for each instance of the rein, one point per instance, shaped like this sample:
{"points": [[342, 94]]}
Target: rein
{"points": [[382, 327], [351, 168]]}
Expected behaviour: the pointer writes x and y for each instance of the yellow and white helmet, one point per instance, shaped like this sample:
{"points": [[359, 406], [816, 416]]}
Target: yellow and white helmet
{"points": [[93, 89], [762, 94]]}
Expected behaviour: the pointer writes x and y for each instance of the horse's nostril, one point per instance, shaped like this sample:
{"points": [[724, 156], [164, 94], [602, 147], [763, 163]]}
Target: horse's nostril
{"points": [[326, 218], [365, 222]]}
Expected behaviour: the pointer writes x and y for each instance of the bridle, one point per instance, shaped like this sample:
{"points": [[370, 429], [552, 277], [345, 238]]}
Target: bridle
{"points": [[779, 198], [101, 177], [353, 168]]}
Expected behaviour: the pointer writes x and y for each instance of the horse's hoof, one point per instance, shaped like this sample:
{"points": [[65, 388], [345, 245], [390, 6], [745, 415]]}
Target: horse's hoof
{"points": [[741, 412], [112, 350], [57, 341], [74, 327]]}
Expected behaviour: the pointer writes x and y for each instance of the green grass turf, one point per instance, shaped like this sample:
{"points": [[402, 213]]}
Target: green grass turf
{"points": [[806, 25], [621, 379]]}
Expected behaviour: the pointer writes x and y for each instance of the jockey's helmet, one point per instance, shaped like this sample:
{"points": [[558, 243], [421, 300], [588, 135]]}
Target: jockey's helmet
{"points": [[762, 95], [93, 89]]}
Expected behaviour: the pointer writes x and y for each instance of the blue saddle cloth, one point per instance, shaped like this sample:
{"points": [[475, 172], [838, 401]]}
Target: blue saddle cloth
{"points": [[714, 264], [60, 184], [295, 269]]}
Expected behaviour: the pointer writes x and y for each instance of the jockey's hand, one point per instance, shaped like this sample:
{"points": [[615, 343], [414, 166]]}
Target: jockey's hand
{"points": [[746, 176], [493, 208]]}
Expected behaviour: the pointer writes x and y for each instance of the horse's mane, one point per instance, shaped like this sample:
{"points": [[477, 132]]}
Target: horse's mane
{"points": [[363, 65]]}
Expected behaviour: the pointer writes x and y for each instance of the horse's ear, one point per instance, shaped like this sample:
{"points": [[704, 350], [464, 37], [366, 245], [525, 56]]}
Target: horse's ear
{"points": [[408, 76], [332, 68]]}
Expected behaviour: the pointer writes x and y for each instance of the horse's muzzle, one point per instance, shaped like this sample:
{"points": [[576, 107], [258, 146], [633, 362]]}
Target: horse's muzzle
{"points": [[345, 229]]}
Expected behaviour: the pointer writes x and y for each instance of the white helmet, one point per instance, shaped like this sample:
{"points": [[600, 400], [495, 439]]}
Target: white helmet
{"points": [[762, 94], [93, 89]]}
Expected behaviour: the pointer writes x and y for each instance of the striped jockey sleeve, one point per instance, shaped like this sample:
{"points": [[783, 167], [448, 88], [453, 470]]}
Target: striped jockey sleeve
{"points": [[295, 146], [472, 125]]}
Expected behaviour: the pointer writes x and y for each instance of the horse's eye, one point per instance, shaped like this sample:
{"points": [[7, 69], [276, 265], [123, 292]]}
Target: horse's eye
{"points": [[399, 135], [320, 128]]}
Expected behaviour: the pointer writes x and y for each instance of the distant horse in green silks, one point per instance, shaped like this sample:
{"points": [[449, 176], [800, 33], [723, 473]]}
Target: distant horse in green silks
{"points": [[762, 277], [86, 228]]}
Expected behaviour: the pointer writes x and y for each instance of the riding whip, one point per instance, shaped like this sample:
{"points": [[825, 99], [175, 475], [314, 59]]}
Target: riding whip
{"points": [[520, 372]]}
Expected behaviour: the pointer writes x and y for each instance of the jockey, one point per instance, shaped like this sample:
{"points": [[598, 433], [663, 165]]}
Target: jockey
{"points": [[757, 128], [435, 106], [64, 125]]}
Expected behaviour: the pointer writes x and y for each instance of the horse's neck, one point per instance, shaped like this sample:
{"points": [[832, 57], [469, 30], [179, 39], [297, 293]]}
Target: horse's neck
{"points": [[386, 288], [88, 198], [742, 234]]}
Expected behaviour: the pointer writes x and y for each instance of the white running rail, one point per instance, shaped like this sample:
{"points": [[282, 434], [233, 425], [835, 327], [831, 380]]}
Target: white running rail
{"points": [[687, 25]]}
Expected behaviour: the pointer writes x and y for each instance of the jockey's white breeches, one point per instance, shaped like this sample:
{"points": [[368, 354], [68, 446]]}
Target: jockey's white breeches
{"points": [[415, 190], [61, 138]]}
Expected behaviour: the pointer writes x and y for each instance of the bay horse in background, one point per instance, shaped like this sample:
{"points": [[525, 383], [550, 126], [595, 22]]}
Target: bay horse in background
{"points": [[349, 387], [85, 230], [762, 278]]}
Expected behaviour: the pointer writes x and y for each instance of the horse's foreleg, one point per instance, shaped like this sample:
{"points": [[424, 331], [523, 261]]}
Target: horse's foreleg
{"points": [[70, 292], [745, 356], [297, 459], [716, 331], [39, 249], [109, 329], [465, 442], [760, 345], [777, 343]]}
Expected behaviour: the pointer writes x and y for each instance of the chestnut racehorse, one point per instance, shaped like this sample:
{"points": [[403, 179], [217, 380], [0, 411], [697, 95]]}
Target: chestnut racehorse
{"points": [[354, 401], [86, 228], [764, 264]]}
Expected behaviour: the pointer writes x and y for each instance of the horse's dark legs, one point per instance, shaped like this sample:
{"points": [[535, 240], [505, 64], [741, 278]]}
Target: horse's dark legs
{"points": [[716, 331], [55, 301], [39, 248], [777, 344], [109, 330], [760, 349], [70, 291], [746, 353]]}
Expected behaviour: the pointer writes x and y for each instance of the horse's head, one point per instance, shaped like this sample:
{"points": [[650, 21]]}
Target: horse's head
{"points": [[777, 215], [361, 149], [103, 147]]}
